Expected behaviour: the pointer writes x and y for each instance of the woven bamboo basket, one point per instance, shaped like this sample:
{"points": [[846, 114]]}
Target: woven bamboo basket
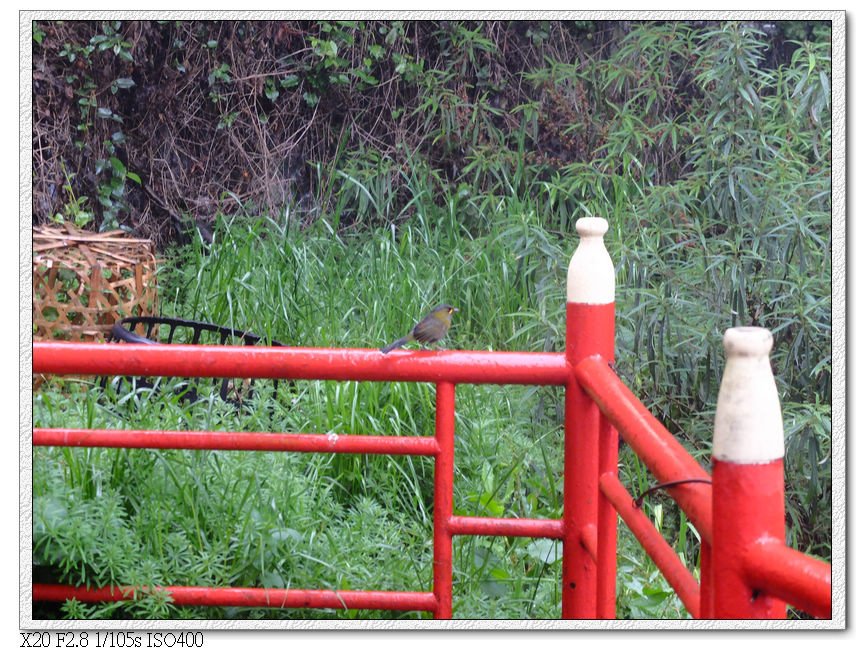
{"points": [[84, 281]]}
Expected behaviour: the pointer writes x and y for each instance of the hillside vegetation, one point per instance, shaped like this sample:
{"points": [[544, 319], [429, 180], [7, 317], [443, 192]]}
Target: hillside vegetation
{"points": [[324, 183]]}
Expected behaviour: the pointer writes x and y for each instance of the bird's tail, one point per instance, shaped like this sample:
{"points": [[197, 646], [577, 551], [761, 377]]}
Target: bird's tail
{"points": [[396, 344]]}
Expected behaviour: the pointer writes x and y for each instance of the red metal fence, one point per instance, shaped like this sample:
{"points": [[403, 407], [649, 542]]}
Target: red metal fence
{"points": [[746, 569]]}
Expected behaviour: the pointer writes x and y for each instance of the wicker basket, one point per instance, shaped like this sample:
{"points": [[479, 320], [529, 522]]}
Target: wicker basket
{"points": [[84, 281]]}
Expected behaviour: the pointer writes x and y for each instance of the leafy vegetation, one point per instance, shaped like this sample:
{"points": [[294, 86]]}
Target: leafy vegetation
{"points": [[449, 161]]}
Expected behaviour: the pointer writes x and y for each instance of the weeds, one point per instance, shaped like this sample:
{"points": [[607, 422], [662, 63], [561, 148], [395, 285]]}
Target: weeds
{"points": [[713, 170]]}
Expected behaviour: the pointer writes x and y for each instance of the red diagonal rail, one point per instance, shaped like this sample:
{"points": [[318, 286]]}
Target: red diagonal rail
{"points": [[768, 568], [657, 548], [650, 440]]}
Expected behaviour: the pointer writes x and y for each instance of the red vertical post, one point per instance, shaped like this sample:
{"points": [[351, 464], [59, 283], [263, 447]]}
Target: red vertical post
{"points": [[608, 459], [589, 441], [747, 474], [443, 501], [706, 609]]}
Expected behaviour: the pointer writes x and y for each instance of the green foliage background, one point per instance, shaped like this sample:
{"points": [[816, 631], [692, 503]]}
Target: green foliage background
{"points": [[354, 173]]}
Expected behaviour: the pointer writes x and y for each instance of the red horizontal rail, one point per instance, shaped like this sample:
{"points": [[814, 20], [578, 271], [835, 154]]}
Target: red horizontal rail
{"points": [[239, 441], [249, 597], [512, 527], [458, 366], [802, 581], [650, 440], [664, 557]]}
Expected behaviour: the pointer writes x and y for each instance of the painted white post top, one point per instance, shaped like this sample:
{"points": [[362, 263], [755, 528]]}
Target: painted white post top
{"points": [[591, 276], [748, 423]]}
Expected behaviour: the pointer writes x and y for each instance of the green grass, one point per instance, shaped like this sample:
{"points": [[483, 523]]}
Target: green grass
{"points": [[719, 216]]}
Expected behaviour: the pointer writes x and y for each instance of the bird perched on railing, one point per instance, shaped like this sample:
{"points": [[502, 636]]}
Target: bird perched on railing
{"points": [[432, 328]]}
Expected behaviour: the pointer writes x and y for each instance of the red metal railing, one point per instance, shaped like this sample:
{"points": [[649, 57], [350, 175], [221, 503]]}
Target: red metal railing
{"points": [[445, 368], [746, 570]]}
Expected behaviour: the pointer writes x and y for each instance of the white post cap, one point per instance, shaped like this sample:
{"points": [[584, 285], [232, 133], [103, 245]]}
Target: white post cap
{"points": [[748, 424], [591, 276]]}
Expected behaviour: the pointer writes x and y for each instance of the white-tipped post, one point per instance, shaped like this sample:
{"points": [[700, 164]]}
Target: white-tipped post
{"points": [[748, 423], [591, 277], [591, 445]]}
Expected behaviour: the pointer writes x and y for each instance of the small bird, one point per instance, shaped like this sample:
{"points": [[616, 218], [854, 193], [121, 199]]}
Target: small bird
{"points": [[432, 328]]}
